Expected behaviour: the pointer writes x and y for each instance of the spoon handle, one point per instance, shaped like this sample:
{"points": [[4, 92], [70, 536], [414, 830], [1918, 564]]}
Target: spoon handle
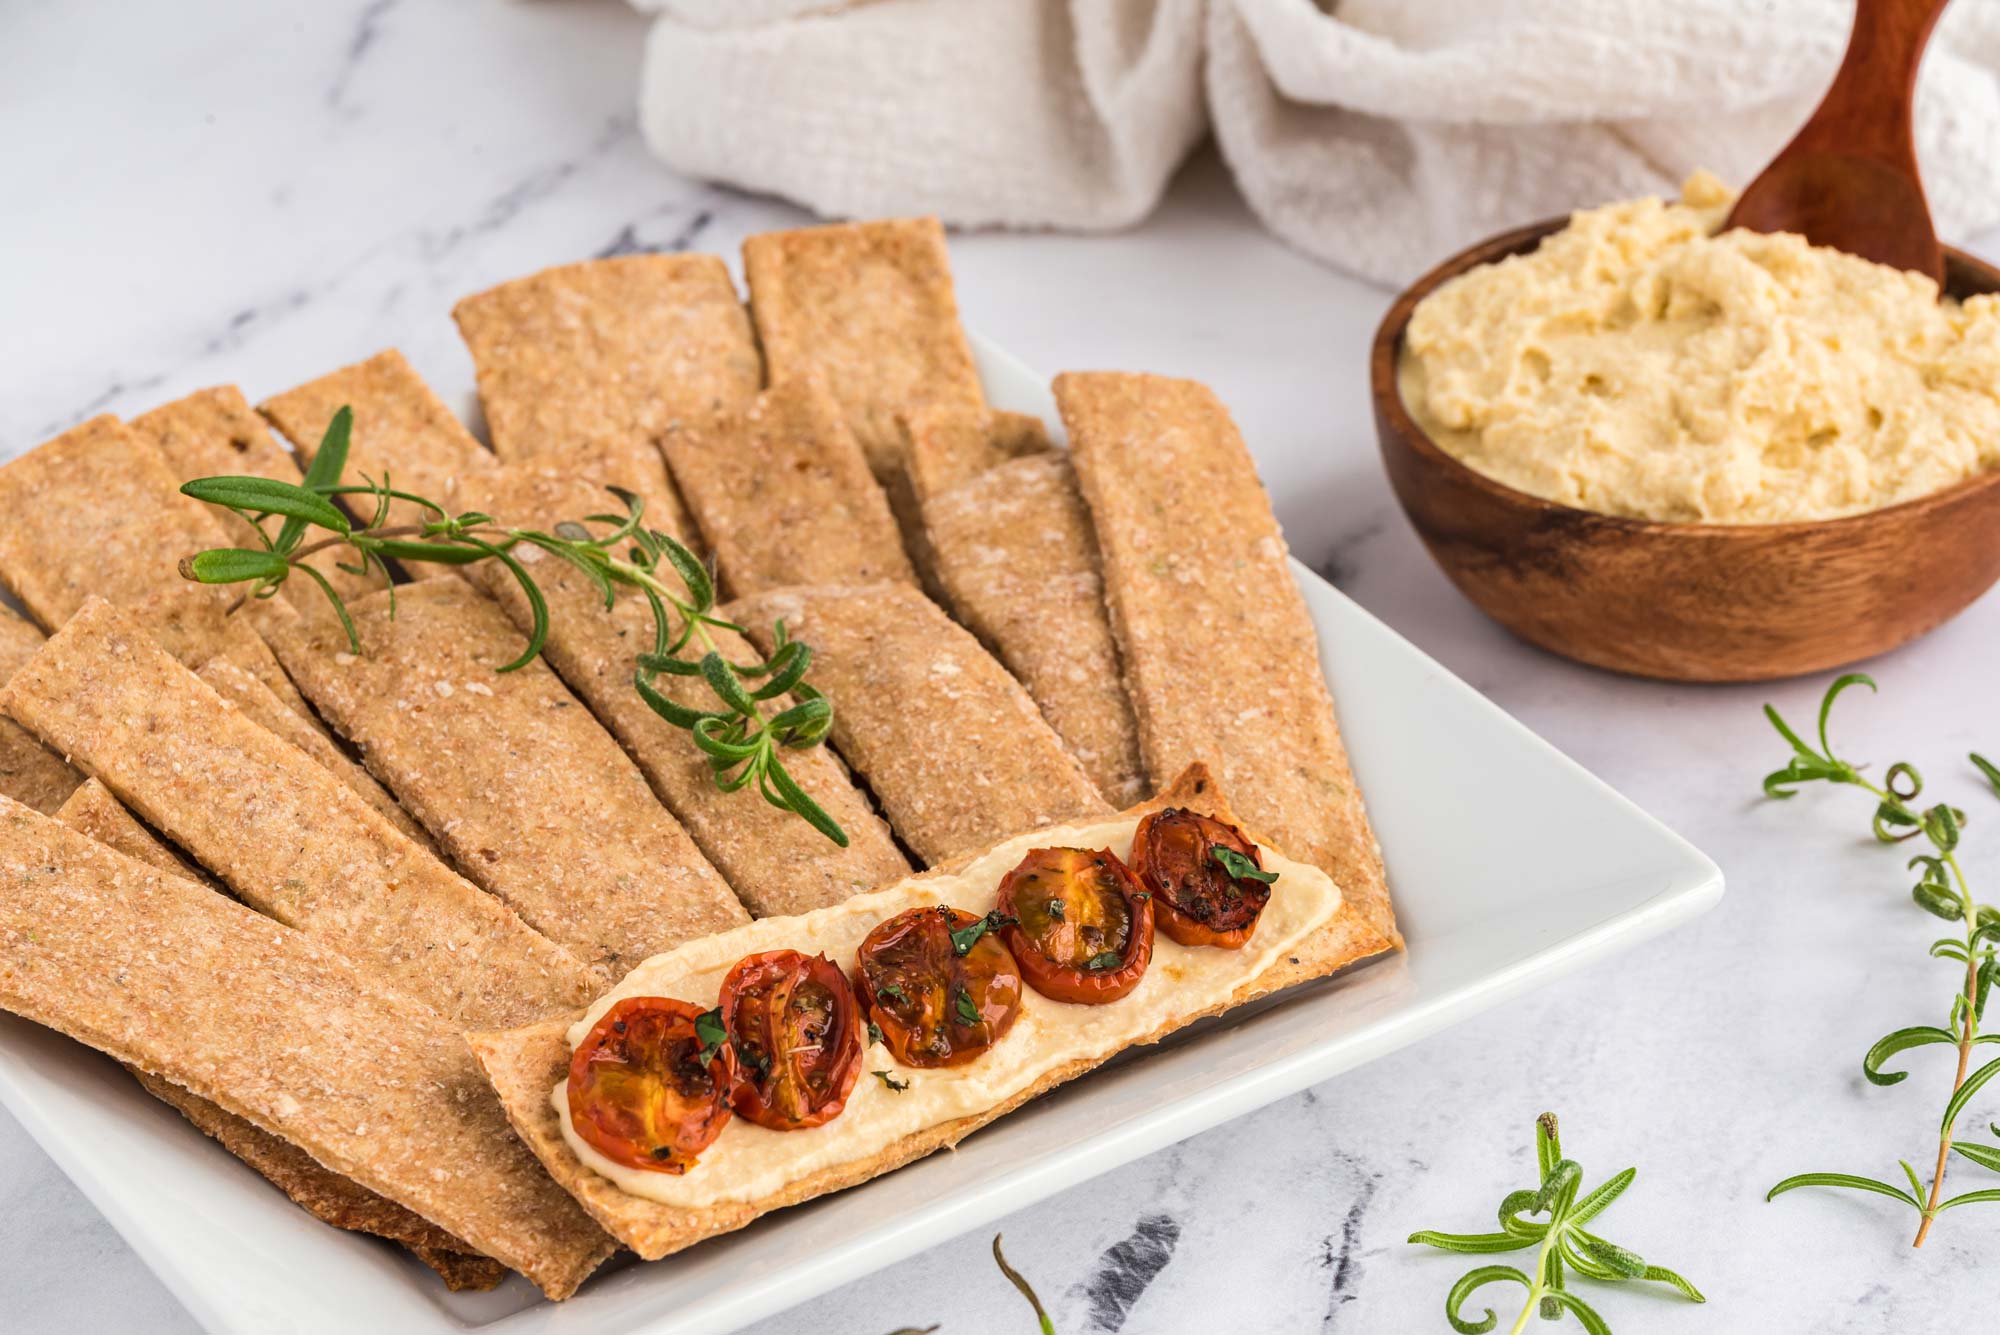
{"points": [[1867, 112]]}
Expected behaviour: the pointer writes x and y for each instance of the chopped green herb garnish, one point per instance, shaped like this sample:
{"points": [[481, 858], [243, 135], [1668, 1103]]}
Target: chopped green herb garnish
{"points": [[874, 1032], [1110, 959], [966, 937], [967, 1012], [898, 1086], [1239, 867], [708, 1027], [893, 993]]}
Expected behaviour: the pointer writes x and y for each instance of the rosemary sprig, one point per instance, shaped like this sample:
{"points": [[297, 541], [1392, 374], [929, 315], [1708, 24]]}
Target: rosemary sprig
{"points": [[1014, 1277], [1562, 1240], [1941, 889], [742, 741]]}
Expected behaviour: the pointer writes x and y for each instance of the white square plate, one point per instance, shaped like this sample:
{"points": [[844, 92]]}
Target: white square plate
{"points": [[1510, 866]]}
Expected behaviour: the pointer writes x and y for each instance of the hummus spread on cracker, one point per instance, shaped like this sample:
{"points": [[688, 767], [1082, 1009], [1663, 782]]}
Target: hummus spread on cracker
{"points": [[747, 1161]]}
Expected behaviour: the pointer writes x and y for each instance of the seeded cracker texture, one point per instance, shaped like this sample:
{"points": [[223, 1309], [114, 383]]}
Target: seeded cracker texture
{"points": [[97, 513], [510, 773], [1220, 654], [279, 830], [216, 433], [946, 444], [525, 1064], [952, 747], [869, 307], [93, 811], [1018, 562], [942, 445], [248, 694], [279, 1028], [392, 405], [584, 367], [29, 772], [782, 494]]}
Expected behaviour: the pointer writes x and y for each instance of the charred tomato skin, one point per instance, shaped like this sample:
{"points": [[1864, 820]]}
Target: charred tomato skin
{"points": [[934, 1006], [639, 1092], [1197, 901], [1073, 906], [795, 1028]]}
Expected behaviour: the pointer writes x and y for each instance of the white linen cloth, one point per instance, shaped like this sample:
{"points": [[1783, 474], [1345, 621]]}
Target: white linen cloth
{"points": [[1378, 135]]}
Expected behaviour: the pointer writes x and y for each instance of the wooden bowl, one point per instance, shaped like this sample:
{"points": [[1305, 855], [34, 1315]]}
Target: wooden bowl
{"points": [[1685, 602]]}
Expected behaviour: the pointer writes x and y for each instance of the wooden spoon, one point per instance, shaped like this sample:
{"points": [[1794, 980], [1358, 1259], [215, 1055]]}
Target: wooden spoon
{"points": [[1849, 178]]}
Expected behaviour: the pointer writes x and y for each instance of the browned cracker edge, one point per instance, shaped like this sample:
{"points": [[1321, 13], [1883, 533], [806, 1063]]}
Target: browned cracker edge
{"points": [[525, 1064]]}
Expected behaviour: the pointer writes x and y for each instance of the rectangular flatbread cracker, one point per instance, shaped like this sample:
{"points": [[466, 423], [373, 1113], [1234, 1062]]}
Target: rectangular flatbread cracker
{"points": [[512, 776], [251, 696], [945, 444], [525, 1064], [1018, 562], [94, 812], [216, 433], [949, 743], [392, 407], [97, 513], [782, 494], [279, 1028], [1220, 653], [30, 773], [868, 306], [583, 368], [279, 830], [326, 1195]]}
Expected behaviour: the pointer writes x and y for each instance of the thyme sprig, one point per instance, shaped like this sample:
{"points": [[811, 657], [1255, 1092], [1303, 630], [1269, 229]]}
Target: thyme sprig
{"points": [[1941, 890], [743, 742], [1561, 1241]]}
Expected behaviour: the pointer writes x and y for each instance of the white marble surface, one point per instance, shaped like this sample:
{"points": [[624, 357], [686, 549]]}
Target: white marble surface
{"points": [[204, 192]]}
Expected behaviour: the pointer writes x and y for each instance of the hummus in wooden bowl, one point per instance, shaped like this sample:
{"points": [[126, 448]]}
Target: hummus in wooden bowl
{"points": [[1698, 457]]}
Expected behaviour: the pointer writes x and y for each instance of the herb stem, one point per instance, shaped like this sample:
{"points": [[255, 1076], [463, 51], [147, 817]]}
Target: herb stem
{"points": [[398, 531], [1968, 1030], [1537, 1285]]}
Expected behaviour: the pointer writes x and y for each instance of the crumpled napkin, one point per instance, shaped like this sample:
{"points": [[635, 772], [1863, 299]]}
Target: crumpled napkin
{"points": [[1378, 135]]}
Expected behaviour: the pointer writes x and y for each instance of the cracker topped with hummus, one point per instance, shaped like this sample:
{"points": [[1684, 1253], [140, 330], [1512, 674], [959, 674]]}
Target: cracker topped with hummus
{"points": [[1638, 363], [512, 955]]}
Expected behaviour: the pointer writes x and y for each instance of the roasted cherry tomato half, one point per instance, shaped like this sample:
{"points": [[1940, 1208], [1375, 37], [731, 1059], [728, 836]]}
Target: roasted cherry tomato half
{"points": [[940, 984], [645, 1091], [796, 1030], [1083, 925], [1199, 902]]}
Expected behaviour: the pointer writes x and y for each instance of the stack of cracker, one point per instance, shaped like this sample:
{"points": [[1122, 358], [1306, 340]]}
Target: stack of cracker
{"points": [[284, 880]]}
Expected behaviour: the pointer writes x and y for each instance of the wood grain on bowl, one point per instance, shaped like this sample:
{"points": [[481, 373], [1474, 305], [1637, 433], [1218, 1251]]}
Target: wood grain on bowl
{"points": [[1685, 602]]}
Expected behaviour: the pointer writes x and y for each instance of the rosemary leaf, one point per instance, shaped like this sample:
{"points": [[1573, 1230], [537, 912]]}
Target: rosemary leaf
{"points": [[266, 496]]}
